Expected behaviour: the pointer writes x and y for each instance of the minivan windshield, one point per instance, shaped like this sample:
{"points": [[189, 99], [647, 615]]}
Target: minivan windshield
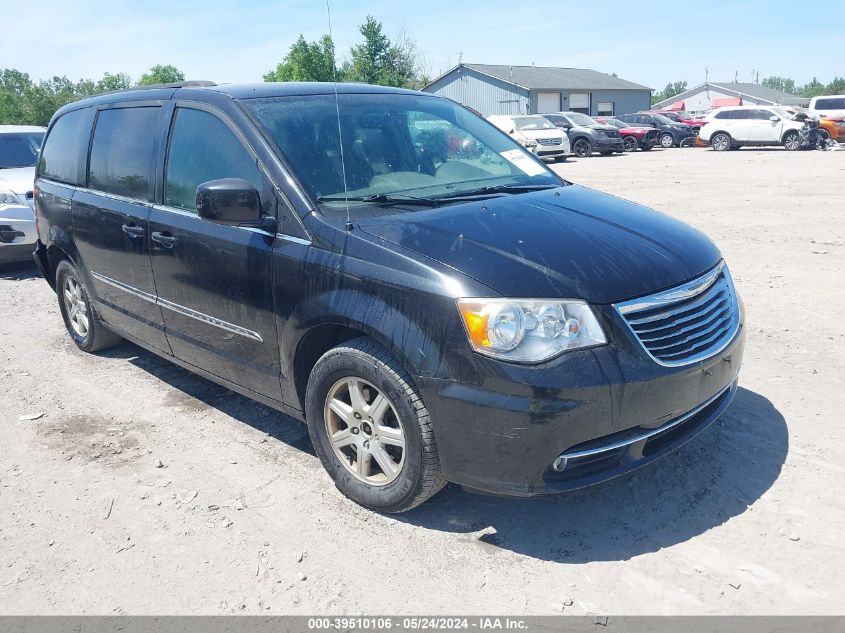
{"points": [[532, 123], [19, 149], [393, 145]]}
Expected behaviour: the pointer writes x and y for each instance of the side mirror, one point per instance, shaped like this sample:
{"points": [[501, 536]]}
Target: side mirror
{"points": [[774, 117], [230, 201], [512, 131]]}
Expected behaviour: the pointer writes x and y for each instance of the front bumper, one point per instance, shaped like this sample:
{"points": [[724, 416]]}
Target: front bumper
{"points": [[17, 233], [549, 151], [608, 143], [609, 410]]}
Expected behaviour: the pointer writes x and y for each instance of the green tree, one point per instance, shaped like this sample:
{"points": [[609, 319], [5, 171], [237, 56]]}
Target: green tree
{"points": [[13, 86], [781, 84], [378, 60], [812, 89], [671, 89], [161, 74], [371, 59], [835, 87], [306, 61], [109, 82]]}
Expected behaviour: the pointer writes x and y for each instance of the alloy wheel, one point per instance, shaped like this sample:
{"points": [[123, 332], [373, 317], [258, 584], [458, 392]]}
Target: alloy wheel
{"points": [[75, 306], [364, 430], [582, 148], [792, 141], [629, 143], [721, 142]]}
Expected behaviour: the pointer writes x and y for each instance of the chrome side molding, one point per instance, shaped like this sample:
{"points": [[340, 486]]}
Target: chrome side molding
{"points": [[180, 309]]}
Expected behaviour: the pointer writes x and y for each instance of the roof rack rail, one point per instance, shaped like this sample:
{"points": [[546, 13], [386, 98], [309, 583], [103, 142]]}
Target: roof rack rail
{"points": [[175, 84], [194, 83]]}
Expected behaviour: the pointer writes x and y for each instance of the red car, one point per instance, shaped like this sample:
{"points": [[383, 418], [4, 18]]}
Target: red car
{"points": [[632, 137], [679, 116]]}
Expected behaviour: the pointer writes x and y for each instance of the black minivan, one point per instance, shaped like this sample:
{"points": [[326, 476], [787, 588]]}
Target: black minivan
{"points": [[432, 300]]}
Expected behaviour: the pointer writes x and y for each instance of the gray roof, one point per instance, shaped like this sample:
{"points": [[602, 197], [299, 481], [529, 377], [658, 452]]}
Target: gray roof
{"points": [[759, 92], [754, 91], [552, 78]]}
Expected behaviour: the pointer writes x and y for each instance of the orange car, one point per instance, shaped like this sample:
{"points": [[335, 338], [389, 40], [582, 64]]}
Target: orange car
{"points": [[835, 128]]}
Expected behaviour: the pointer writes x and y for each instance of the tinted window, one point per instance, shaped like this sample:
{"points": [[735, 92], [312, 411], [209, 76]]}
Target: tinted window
{"points": [[723, 114], [19, 149], [761, 115], [123, 152], [203, 148], [67, 143], [741, 114], [836, 103]]}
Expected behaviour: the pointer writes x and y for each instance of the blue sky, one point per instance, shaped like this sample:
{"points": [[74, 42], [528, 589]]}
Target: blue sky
{"points": [[239, 41]]}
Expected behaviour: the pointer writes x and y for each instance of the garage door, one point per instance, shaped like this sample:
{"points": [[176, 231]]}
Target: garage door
{"points": [[548, 102], [579, 102]]}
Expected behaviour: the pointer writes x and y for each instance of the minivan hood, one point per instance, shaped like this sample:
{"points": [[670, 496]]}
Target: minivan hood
{"points": [[570, 242], [17, 179]]}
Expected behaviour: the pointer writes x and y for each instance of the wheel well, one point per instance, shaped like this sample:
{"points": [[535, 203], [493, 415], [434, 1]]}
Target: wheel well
{"points": [[316, 342], [783, 136], [54, 256]]}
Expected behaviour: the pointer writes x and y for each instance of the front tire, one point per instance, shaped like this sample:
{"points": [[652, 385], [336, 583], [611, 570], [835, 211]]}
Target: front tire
{"points": [[82, 323], [630, 143], [792, 141], [370, 428], [582, 147], [667, 140], [721, 142]]}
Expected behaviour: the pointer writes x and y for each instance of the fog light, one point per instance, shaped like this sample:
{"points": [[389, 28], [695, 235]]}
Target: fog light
{"points": [[559, 464]]}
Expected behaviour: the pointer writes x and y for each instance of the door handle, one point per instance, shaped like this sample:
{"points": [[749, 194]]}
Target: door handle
{"points": [[165, 239], [133, 230]]}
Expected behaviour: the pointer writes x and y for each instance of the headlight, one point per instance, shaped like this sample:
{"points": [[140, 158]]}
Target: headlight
{"points": [[529, 330], [7, 197], [840, 124], [528, 143]]}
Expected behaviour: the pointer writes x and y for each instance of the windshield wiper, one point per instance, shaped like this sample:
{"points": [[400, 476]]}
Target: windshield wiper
{"points": [[493, 190], [382, 199]]}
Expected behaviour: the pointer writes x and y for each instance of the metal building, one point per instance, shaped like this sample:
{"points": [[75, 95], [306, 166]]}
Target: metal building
{"points": [[711, 95], [497, 89]]}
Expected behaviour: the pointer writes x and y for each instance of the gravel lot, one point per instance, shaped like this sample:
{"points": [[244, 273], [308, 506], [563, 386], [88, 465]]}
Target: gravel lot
{"points": [[144, 489]]}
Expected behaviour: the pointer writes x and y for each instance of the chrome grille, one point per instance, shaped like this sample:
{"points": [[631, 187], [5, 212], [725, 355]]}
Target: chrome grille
{"points": [[688, 323], [549, 141]]}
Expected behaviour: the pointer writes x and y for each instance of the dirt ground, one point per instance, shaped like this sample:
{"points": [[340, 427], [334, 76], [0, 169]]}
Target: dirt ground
{"points": [[144, 489]]}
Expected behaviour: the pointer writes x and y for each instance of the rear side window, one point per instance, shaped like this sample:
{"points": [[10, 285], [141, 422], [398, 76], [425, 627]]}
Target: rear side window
{"points": [[836, 103], [203, 148], [723, 114], [123, 152], [64, 151]]}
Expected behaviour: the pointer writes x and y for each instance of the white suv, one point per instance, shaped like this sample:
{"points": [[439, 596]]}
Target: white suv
{"points": [[535, 133], [828, 105], [735, 126]]}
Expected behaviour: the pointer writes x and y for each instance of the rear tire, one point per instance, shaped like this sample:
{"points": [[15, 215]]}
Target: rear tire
{"points": [[370, 428], [82, 322], [721, 141]]}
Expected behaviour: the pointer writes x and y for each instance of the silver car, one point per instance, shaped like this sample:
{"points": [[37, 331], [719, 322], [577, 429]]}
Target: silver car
{"points": [[19, 146]]}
